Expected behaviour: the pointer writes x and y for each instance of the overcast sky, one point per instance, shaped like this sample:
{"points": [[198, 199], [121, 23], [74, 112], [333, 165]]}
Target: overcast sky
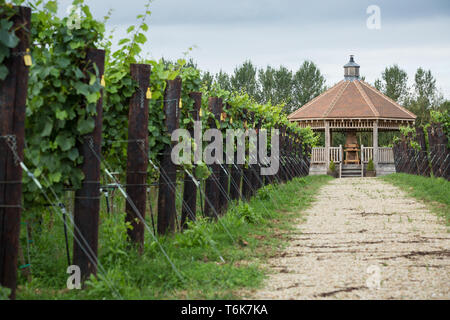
{"points": [[286, 32]]}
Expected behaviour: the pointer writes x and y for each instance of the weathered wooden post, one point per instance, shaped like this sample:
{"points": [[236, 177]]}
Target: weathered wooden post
{"points": [[405, 156], [247, 175], [190, 188], [236, 178], [411, 155], [298, 155], [423, 164], [444, 152], [257, 167], [283, 173], [13, 95], [224, 171], [168, 169], [212, 190], [246, 184], [137, 154], [288, 156], [87, 198], [236, 175], [306, 151]]}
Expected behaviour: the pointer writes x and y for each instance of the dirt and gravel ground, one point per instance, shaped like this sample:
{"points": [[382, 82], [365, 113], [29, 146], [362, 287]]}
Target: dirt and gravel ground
{"points": [[362, 239]]}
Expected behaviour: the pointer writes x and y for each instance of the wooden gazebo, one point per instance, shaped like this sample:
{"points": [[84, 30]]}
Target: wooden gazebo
{"points": [[350, 106]]}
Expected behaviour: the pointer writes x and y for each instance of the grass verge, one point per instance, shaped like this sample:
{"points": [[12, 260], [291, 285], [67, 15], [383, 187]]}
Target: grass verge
{"points": [[215, 259], [435, 192]]}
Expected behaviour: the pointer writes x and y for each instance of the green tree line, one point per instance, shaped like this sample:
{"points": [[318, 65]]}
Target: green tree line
{"points": [[274, 85]]}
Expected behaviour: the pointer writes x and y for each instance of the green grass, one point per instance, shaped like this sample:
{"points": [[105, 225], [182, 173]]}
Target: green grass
{"points": [[435, 192], [245, 237]]}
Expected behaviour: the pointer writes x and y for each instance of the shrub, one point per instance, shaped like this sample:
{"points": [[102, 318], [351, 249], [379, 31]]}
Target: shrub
{"points": [[370, 166], [332, 166]]}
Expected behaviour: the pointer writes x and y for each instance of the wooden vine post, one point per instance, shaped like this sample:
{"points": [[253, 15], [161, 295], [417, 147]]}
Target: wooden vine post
{"points": [[168, 169], [289, 150], [13, 95], [246, 170], [299, 155], [236, 175], [306, 153], [259, 177], [253, 167], [190, 188], [282, 154], [87, 198], [224, 173], [137, 155], [423, 163], [246, 185], [212, 192]]}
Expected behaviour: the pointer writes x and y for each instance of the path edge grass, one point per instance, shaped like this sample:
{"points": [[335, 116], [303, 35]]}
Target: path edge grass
{"points": [[434, 192]]}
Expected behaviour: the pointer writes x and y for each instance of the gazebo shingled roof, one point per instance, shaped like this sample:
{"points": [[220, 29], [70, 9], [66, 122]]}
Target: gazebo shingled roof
{"points": [[350, 99]]}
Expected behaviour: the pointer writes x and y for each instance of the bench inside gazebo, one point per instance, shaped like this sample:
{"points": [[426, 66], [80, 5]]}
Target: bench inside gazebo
{"points": [[352, 106]]}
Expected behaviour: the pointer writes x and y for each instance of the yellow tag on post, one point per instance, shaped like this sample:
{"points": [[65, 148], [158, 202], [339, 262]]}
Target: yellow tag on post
{"points": [[102, 82], [181, 104], [149, 94], [27, 59], [200, 113]]}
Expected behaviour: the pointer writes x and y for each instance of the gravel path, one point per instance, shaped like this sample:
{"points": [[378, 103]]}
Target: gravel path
{"points": [[363, 239]]}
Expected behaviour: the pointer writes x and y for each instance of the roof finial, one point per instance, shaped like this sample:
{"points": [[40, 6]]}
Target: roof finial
{"points": [[351, 69]]}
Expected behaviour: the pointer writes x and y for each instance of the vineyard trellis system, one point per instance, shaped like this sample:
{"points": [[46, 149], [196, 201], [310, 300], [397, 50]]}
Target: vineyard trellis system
{"points": [[412, 155], [88, 110]]}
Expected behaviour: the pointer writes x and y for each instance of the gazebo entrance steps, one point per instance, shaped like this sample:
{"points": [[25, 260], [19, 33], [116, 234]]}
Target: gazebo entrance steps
{"points": [[351, 170]]}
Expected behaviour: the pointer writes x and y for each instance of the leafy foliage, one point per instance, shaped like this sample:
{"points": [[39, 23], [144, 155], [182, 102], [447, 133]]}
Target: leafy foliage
{"points": [[62, 96], [444, 119], [119, 89], [8, 38], [197, 234]]}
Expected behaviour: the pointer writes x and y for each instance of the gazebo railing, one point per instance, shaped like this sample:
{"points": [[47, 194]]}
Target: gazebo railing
{"points": [[335, 154], [319, 155], [367, 154], [385, 155]]}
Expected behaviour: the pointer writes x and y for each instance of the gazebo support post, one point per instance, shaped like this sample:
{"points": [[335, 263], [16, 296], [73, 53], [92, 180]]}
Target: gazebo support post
{"points": [[375, 144], [327, 143]]}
